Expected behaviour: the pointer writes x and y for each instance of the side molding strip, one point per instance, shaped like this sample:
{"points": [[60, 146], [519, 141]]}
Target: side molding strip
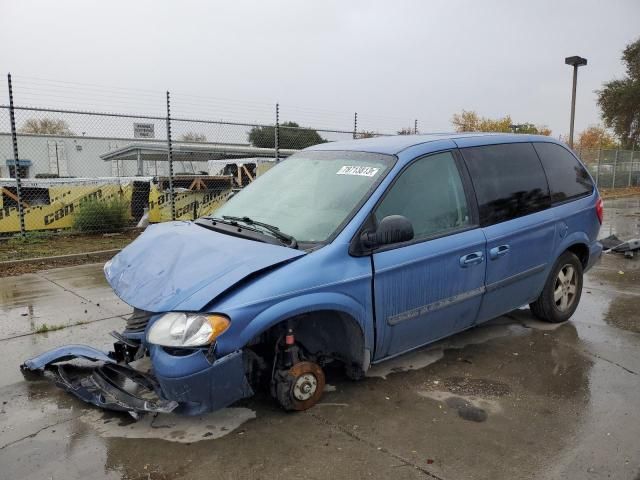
{"points": [[433, 306], [514, 278]]}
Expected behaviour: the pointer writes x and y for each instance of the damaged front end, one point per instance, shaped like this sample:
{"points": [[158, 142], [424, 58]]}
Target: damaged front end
{"points": [[119, 381]]}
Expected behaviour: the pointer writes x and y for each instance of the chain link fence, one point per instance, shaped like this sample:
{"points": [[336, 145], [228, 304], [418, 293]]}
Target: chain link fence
{"points": [[611, 168], [67, 170]]}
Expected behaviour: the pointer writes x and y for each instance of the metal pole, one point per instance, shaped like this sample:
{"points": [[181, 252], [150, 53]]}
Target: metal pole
{"points": [[277, 133], [615, 164], [170, 158], [573, 104], [16, 157], [415, 127], [631, 163], [598, 169], [355, 125]]}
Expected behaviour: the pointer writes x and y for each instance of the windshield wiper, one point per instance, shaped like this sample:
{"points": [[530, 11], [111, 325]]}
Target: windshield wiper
{"points": [[275, 231]]}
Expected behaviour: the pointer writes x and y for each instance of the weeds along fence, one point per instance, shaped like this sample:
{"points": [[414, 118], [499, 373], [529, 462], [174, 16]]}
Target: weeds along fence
{"points": [[75, 169]]}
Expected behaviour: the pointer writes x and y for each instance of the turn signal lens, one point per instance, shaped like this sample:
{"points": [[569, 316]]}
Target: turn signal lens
{"points": [[219, 325]]}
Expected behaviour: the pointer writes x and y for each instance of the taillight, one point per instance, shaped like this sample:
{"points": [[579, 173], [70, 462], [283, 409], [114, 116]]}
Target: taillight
{"points": [[600, 209]]}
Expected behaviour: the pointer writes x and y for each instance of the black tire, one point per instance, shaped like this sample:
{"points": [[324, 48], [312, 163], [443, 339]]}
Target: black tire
{"points": [[556, 303], [289, 382]]}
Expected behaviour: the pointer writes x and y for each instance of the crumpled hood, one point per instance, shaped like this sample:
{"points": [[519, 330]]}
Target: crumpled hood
{"points": [[183, 266]]}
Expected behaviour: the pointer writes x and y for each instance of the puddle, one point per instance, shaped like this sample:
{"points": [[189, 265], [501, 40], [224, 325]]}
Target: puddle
{"points": [[623, 313], [173, 428], [424, 357], [621, 218], [411, 361]]}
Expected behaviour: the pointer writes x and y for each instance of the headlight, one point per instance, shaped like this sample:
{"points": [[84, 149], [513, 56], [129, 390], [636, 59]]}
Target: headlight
{"points": [[178, 329]]}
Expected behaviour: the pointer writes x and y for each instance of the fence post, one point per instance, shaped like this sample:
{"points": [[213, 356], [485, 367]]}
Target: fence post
{"points": [[355, 125], [16, 157], [277, 134], [170, 159], [415, 127], [633, 146], [615, 164], [598, 168]]}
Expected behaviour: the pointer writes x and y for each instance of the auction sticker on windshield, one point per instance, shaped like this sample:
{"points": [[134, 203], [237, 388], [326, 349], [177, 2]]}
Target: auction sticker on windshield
{"points": [[356, 170]]}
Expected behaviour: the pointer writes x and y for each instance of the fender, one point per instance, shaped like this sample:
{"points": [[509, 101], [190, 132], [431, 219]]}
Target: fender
{"points": [[573, 238], [291, 307]]}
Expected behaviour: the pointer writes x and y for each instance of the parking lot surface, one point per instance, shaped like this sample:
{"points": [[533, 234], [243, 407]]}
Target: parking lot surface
{"points": [[512, 398]]}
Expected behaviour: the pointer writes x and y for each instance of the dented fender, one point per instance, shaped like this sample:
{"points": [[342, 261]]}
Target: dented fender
{"points": [[298, 305]]}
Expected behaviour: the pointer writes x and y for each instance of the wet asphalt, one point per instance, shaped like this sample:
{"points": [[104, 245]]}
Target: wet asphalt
{"points": [[512, 398]]}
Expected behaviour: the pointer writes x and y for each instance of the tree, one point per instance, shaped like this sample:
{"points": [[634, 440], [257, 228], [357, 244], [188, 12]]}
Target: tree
{"points": [[193, 137], [290, 135], [532, 129], [470, 121], [619, 100], [406, 131], [596, 136], [367, 134], [46, 126]]}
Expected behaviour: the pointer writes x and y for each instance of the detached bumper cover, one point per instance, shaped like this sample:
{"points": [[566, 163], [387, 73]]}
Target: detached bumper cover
{"points": [[185, 384]]}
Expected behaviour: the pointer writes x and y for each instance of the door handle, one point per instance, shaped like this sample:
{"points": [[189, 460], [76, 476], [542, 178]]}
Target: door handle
{"points": [[471, 259], [499, 251]]}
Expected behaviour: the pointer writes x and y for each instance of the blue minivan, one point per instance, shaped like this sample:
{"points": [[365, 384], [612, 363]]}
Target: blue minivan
{"points": [[347, 253]]}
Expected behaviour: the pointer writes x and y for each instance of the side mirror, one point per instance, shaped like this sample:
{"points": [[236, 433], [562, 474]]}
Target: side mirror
{"points": [[391, 229]]}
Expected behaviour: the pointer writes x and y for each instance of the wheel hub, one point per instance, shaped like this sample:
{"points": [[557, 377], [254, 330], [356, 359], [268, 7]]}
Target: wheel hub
{"points": [[305, 386], [564, 292]]}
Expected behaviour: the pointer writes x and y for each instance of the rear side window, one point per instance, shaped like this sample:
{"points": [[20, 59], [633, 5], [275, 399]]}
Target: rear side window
{"points": [[567, 177], [508, 179]]}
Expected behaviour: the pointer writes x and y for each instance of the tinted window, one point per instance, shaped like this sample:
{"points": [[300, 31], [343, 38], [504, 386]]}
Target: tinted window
{"points": [[508, 179], [430, 194], [567, 177]]}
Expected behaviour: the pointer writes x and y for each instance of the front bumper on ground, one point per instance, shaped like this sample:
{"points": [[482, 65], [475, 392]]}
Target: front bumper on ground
{"points": [[188, 384]]}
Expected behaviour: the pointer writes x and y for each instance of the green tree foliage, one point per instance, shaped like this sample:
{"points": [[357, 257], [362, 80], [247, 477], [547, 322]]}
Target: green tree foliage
{"points": [[619, 100], [532, 129], [470, 121], [46, 126], [291, 135]]}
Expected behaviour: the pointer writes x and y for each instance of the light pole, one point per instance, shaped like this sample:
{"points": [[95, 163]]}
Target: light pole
{"points": [[575, 62]]}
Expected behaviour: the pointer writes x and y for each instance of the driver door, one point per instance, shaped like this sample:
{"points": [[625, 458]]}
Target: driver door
{"points": [[432, 286]]}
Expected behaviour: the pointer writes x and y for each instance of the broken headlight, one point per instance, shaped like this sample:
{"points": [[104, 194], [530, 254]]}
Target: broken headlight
{"points": [[179, 329]]}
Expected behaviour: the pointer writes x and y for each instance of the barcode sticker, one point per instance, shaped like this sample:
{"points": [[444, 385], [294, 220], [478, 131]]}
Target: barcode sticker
{"points": [[356, 170]]}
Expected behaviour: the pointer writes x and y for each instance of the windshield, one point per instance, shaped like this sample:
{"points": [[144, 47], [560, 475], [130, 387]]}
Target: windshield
{"points": [[310, 195]]}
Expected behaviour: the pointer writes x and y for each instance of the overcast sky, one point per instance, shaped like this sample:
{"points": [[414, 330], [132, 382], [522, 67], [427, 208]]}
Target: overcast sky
{"points": [[391, 61]]}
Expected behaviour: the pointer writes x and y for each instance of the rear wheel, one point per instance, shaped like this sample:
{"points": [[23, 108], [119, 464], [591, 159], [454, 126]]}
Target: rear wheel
{"points": [[300, 387], [561, 294]]}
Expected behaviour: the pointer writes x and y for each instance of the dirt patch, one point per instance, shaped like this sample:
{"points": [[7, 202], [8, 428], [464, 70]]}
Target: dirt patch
{"points": [[609, 193], [476, 386], [39, 245]]}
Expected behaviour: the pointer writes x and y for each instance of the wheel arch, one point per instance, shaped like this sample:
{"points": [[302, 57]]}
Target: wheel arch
{"points": [[329, 322], [578, 244]]}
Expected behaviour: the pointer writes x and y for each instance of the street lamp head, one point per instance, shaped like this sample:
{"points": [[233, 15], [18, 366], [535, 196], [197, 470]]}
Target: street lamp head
{"points": [[575, 61]]}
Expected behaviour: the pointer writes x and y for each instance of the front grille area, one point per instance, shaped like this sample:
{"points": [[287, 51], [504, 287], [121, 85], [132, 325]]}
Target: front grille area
{"points": [[137, 321]]}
